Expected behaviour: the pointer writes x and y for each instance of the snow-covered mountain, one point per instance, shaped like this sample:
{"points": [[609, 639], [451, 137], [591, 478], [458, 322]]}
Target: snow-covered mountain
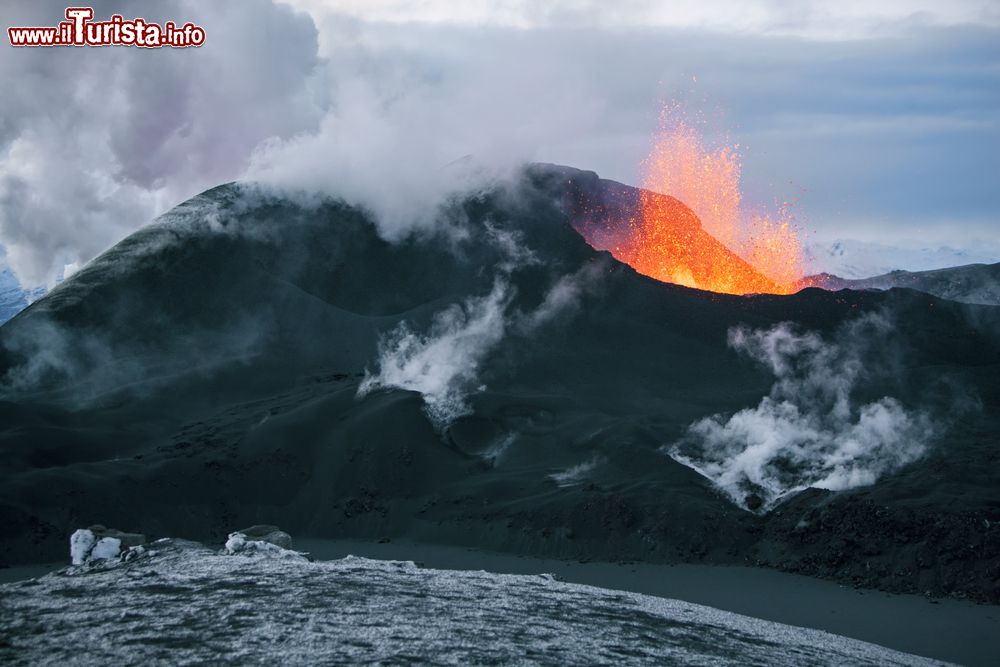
{"points": [[973, 283], [853, 259]]}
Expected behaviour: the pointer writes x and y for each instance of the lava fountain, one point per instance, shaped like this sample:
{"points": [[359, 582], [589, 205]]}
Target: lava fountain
{"points": [[691, 226]]}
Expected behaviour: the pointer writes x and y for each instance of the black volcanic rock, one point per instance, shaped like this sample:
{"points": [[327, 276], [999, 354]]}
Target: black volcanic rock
{"points": [[204, 374]]}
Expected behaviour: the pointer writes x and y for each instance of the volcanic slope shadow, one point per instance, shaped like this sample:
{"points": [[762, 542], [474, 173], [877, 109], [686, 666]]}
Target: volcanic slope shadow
{"points": [[204, 374]]}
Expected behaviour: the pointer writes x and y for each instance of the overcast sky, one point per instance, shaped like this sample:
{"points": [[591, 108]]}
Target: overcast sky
{"points": [[878, 120]]}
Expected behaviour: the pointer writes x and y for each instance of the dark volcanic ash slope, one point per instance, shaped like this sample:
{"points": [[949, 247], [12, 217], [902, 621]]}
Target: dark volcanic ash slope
{"points": [[204, 374]]}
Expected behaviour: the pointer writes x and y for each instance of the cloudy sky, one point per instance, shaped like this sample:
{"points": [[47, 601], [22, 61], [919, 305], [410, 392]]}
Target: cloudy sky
{"points": [[877, 119]]}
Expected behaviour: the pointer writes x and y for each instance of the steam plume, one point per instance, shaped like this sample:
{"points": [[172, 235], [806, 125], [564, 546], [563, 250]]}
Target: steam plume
{"points": [[809, 431]]}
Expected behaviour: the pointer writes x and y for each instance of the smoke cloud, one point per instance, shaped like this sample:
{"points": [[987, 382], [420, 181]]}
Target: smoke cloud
{"points": [[99, 141], [811, 430], [396, 116]]}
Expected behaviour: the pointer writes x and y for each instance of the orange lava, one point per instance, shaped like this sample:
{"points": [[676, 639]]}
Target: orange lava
{"points": [[710, 241]]}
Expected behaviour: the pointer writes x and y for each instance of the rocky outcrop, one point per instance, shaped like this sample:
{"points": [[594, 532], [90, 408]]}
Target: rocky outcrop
{"points": [[101, 543]]}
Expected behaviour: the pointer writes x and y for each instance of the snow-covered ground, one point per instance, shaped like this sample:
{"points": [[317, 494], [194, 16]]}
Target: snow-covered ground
{"points": [[180, 602]]}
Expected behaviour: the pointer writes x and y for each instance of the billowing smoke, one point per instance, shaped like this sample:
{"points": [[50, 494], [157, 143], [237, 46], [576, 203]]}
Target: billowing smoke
{"points": [[397, 115], [444, 363], [98, 141], [811, 430]]}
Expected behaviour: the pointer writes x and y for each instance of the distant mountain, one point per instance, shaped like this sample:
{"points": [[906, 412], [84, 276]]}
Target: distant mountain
{"points": [[851, 258], [973, 283], [14, 299]]}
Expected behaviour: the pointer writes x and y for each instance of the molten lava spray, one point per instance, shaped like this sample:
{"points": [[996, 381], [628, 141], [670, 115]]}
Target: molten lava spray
{"points": [[732, 249]]}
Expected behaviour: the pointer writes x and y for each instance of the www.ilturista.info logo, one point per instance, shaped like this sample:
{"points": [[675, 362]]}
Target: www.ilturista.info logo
{"points": [[80, 30]]}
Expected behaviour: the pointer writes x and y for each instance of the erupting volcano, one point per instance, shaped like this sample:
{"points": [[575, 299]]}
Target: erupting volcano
{"points": [[691, 226]]}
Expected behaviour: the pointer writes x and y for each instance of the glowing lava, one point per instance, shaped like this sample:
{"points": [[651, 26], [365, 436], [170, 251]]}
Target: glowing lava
{"points": [[703, 236]]}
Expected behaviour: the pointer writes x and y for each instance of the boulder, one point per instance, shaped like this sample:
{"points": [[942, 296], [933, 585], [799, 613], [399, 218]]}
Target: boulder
{"points": [[268, 533], [262, 541], [101, 543]]}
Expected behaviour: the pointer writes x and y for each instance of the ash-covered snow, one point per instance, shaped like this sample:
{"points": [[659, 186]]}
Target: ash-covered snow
{"points": [[180, 602]]}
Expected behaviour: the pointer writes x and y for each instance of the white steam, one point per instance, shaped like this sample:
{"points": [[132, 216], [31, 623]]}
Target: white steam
{"points": [[577, 474], [97, 142], [443, 364], [563, 297], [369, 151], [82, 366], [495, 452], [809, 431]]}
